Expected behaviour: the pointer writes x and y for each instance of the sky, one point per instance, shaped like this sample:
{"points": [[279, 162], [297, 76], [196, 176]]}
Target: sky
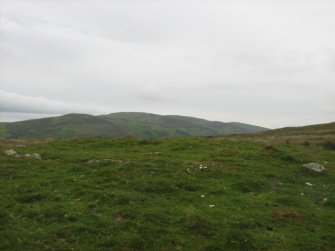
{"points": [[264, 62]]}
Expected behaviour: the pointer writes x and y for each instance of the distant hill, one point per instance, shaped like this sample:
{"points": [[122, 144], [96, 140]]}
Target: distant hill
{"points": [[320, 135], [320, 129], [121, 124]]}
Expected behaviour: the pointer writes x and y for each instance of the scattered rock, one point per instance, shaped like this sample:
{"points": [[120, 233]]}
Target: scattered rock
{"points": [[33, 155], [155, 153], [309, 184], [118, 218], [113, 160], [91, 161], [10, 152], [278, 185], [316, 167], [323, 201], [13, 153], [211, 206], [203, 196]]}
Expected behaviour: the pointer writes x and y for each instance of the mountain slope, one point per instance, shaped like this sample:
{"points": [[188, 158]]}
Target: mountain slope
{"points": [[121, 124], [152, 125]]}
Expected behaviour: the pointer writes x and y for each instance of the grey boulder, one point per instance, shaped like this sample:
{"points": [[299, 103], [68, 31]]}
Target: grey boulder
{"points": [[316, 167]]}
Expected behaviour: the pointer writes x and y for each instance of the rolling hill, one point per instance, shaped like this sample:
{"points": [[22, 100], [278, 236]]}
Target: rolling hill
{"points": [[321, 134], [121, 124]]}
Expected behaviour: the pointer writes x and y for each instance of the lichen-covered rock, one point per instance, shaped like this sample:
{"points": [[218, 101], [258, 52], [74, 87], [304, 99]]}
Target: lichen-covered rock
{"points": [[10, 152], [316, 167]]}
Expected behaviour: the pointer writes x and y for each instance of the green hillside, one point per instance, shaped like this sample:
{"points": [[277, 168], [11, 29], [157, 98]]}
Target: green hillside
{"points": [[120, 124], [152, 125], [71, 125], [241, 192], [322, 129], [322, 134]]}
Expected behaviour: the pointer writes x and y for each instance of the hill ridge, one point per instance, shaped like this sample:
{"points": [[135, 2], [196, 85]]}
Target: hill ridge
{"points": [[121, 124]]}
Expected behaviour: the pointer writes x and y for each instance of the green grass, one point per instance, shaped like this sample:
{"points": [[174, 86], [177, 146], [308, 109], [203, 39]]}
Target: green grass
{"points": [[151, 195]]}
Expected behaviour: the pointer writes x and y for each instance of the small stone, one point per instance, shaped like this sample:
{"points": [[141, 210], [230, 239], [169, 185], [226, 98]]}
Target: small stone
{"points": [[119, 218], [211, 206], [203, 196], [279, 183], [113, 160], [36, 156], [91, 161], [33, 155], [316, 167], [324, 200], [309, 184]]}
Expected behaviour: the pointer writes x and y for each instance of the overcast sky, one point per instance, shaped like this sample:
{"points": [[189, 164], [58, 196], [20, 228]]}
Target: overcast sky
{"points": [[269, 63]]}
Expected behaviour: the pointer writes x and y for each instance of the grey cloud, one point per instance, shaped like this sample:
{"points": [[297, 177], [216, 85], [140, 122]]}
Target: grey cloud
{"points": [[220, 60], [15, 103], [18, 116]]}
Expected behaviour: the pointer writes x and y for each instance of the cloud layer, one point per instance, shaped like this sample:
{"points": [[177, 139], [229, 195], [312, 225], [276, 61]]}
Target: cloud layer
{"points": [[15, 103], [270, 63]]}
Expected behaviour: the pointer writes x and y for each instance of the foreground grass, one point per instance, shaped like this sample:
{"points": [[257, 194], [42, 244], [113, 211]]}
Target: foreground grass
{"points": [[152, 195]]}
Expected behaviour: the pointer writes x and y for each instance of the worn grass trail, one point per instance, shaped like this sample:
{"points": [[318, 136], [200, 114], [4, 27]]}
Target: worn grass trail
{"points": [[130, 194]]}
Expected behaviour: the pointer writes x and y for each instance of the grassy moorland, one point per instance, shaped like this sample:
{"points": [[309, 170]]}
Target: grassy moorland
{"points": [[245, 192]]}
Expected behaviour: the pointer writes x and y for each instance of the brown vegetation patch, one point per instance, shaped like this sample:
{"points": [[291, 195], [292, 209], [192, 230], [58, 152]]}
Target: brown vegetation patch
{"points": [[289, 214]]}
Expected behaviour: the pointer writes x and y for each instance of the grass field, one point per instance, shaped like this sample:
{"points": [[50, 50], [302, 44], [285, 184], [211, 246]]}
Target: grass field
{"points": [[216, 193]]}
